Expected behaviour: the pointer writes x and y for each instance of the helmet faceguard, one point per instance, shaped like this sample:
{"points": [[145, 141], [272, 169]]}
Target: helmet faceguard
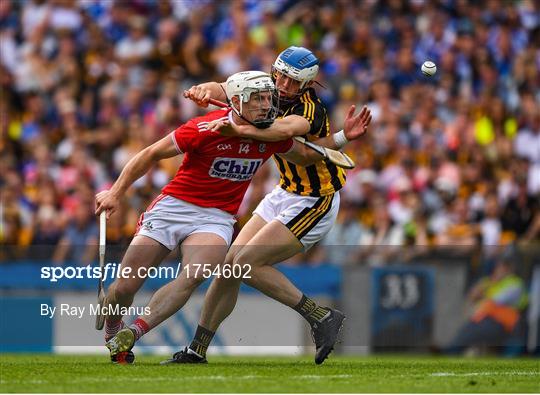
{"points": [[257, 100], [299, 64]]}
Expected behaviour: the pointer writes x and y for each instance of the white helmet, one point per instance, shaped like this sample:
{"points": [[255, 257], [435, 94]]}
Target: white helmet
{"points": [[244, 84]]}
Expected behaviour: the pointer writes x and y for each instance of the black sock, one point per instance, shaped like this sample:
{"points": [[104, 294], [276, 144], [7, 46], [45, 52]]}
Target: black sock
{"points": [[310, 310], [201, 341]]}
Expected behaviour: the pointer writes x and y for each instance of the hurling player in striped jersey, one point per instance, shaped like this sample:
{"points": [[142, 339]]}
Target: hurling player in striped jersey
{"points": [[299, 212]]}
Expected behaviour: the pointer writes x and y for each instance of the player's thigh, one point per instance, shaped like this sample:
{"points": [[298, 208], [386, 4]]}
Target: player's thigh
{"points": [[142, 253], [272, 244], [202, 251], [248, 231]]}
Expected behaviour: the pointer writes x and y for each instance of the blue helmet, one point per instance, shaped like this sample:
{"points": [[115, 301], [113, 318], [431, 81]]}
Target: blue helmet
{"points": [[298, 63]]}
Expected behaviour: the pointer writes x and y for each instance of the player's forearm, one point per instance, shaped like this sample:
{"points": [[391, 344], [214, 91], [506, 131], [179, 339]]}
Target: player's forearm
{"points": [[301, 155], [305, 156], [269, 135], [135, 169], [328, 142], [281, 129], [216, 90], [310, 157]]}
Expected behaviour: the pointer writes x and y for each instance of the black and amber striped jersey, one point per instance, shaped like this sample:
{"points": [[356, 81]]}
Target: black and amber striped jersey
{"points": [[322, 178]]}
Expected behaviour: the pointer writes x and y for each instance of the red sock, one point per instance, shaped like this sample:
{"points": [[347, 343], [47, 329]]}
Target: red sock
{"points": [[139, 328], [112, 328]]}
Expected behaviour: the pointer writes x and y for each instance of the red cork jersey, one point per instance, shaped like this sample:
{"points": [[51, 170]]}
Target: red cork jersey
{"points": [[216, 170]]}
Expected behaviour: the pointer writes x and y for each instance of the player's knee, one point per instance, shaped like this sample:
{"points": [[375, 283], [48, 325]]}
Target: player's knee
{"points": [[248, 260], [228, 281], [194, 280], [123, 289]]}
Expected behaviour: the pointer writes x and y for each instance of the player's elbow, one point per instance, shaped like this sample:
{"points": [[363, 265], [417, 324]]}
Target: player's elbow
{"points": [[288, 133]]}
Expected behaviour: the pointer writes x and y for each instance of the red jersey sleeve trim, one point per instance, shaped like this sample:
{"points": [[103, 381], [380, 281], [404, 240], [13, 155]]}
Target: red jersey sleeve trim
{"points": [[172, 134]]}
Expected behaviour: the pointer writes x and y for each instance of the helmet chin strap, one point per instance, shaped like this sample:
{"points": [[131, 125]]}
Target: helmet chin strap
{"points": [[263, 124]]}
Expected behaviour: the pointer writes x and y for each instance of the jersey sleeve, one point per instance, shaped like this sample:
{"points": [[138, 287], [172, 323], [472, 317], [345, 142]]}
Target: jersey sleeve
{"points": [[312, 110], [186, 138], [282, 147]]}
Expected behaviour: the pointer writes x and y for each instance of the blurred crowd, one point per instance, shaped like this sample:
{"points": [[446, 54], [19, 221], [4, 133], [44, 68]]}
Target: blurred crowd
{"points": [[450, 161]]}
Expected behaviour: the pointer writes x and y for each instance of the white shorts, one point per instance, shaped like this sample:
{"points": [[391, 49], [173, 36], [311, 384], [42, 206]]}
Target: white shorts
{"points": [[308, 218], [169, 221]]}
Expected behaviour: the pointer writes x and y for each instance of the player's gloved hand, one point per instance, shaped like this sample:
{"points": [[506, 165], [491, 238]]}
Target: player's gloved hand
{"points": [[199, 95], [355, 126], [106, 201]]}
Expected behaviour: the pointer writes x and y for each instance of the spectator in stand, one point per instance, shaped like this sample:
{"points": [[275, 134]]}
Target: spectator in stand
{"points": [[78, 244], [457, 234], [380, 243], [499, 301], [136, 46], [341, 243]]}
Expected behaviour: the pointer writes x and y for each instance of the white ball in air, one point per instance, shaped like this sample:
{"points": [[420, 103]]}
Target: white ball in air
{"points": [[429, 68]]}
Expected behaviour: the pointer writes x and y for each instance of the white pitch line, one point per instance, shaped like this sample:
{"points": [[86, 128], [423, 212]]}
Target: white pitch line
{"points": [[185, 378], [513, 373], [259, 377], [322, 376]]}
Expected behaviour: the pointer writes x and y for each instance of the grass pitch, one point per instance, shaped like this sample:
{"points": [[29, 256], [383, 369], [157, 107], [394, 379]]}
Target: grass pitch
{"points": [[65, 373]]}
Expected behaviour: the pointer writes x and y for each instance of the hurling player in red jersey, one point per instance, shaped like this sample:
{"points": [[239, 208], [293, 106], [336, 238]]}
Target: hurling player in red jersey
{"points": [[196, 209]]}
